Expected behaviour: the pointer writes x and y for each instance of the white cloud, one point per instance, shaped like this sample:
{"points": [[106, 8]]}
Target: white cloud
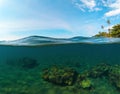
{"points": [[80, 6], [83, 5], [112, 13], [115, 9], [89, 4], [95, 5]]}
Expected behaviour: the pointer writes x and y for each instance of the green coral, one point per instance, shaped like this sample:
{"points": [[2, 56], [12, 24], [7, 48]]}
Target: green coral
{"points": [[86, 83]]}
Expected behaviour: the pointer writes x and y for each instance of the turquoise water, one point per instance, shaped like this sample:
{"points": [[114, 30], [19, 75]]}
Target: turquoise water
{"points": [[18, 77]]}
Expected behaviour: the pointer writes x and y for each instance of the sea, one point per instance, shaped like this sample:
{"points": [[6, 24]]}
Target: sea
{"points": [[23, 61]]}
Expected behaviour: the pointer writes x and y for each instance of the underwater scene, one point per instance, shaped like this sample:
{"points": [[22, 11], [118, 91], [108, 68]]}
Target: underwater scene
{"points": [[42, 65]]}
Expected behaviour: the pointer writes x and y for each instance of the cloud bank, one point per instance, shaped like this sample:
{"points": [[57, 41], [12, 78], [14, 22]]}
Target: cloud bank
{"points": [[113, 6], [114, 9]]}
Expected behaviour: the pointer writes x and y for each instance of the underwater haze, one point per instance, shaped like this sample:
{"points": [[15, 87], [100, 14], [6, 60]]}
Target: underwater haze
{"points": [[43, 65]]}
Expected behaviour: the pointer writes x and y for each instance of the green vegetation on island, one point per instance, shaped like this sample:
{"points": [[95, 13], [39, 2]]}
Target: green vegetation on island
{"points": [[112, 32]]}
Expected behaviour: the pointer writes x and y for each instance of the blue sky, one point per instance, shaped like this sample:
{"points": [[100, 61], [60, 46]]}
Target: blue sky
{"points": [[56, 18]]}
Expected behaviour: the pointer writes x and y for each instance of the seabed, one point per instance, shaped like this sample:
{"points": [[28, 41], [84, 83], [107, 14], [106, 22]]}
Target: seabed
{"points": [[65, 69]]}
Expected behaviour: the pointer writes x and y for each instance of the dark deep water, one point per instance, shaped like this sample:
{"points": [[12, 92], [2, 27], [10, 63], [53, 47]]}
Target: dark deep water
{"points": [[19, 78]]}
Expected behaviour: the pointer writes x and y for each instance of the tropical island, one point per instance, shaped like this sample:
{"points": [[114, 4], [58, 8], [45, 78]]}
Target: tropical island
{"points": [[112, 32]]}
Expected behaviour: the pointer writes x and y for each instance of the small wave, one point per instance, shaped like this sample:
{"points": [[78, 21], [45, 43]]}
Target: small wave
{"points": [[41, 40]]}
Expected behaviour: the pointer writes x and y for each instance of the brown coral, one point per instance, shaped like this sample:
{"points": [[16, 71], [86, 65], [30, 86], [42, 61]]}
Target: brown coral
{"points": [[60, 76]]}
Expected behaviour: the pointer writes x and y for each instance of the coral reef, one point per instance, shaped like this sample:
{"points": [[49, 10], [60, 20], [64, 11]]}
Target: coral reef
{"points": [[67, 76], [99, 70], [114, 75], [60, 76]]}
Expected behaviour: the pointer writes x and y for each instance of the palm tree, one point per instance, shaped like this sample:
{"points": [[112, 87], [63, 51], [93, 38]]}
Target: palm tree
{"points": [[102, 27], [108, 22]]}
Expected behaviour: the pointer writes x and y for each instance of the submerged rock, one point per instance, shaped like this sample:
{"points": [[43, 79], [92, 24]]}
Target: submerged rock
{"points": [[28, 63], [60, 76], [25, 63]]}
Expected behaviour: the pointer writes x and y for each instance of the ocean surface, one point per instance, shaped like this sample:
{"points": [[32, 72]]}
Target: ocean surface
{"points": [[22, 63]]}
